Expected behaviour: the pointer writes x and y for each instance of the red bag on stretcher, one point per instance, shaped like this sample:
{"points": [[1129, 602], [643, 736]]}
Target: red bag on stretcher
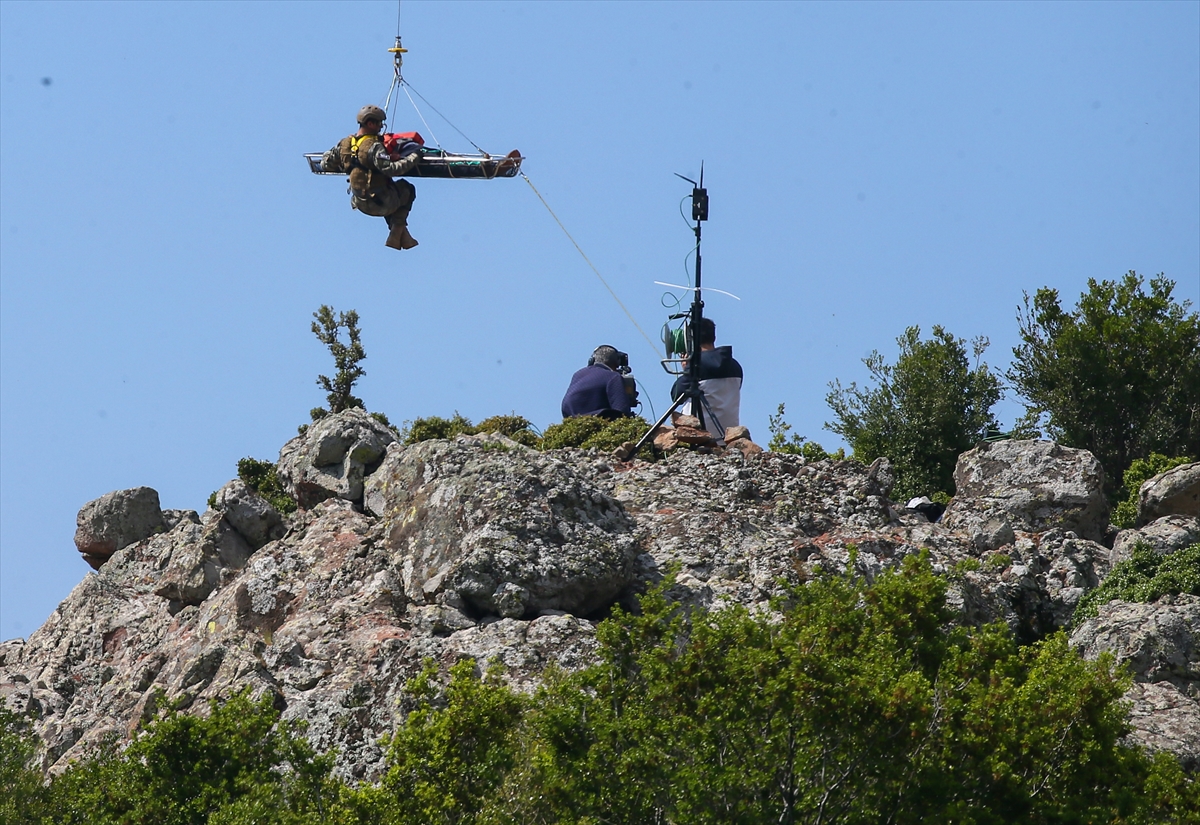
{"points": [[393, 141]]}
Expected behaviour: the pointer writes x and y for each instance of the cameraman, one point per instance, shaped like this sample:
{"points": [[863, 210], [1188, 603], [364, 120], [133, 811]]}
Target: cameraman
{"points": [[599, 388], [720, 381]]}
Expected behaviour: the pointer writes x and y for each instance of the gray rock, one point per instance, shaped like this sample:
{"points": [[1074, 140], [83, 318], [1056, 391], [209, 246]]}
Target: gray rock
{"points": [[1175, 492], [117, 520], [512, 538], [1163, 719], [171, 518], [1161, 644], [333, 457], [1163, 536], [1034, 486], [1159, 641], [250, 514], [197, 566]]}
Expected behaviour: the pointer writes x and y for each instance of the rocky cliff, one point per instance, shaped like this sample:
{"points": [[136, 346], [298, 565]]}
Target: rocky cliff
{"points": [[481, 548]]}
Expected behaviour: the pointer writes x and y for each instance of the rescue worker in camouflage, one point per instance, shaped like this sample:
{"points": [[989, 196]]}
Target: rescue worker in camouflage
{"points": [[371, 169]]}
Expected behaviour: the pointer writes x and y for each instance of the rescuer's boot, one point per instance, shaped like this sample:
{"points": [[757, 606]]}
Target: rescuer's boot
{"points": [[399, 237]]}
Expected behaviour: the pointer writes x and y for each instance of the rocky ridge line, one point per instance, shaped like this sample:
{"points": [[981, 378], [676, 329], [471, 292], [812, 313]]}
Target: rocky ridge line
{"points": [[481, 548]]}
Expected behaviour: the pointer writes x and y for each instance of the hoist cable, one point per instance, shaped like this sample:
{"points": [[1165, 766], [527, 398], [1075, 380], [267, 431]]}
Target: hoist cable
{"points": [[589, 263], [405, 87], [408, 86]]}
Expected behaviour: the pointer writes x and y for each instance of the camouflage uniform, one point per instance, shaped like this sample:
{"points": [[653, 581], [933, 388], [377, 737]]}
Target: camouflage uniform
{"points": [[376, 193]]}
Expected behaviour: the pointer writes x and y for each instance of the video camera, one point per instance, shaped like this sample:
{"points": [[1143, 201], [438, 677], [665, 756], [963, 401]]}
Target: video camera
{"points": [[622, 358], [621, 367]]}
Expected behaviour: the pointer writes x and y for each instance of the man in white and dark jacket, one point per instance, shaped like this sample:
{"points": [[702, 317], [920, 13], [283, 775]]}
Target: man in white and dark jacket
{"points": [[720, 381]]}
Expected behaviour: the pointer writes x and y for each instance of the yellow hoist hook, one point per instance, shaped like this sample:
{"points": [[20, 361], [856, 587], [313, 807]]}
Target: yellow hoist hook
{"points": [[398, 53]]}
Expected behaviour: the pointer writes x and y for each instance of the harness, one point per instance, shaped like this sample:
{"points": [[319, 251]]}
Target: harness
{"points": [[353, 151]]}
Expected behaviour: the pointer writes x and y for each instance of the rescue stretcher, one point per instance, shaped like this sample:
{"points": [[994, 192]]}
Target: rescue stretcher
{"points": [[437, 163]]}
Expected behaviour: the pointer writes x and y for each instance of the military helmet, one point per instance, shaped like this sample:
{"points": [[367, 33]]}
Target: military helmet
{"points": [[371, 113]]}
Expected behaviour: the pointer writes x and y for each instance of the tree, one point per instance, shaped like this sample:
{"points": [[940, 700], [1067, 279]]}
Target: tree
{"points": [[928, 408], [783, 440], [848, 702], [1118, 376], [328, 329], [445, 763], [192, 770], [22, 796]]}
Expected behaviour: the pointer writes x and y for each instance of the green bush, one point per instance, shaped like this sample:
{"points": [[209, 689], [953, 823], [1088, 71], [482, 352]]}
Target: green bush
{"points": [[513, 426], [589, 432], [1144, 577], [794, 444], [426, 429], [192, 770], [585, 432], [23, 798], [516, 427], [454, 749], [262, 477], [1140, 471], [925, 410]]}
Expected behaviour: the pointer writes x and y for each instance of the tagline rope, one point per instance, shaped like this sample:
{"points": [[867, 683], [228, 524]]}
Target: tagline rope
{"points": [[628, 314]]}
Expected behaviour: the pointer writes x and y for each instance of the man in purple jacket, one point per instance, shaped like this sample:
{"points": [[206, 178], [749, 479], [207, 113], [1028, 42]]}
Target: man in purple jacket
{"points": [[599, 388]]}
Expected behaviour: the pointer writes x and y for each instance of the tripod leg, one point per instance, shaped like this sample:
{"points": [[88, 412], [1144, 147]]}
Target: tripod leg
{"points": [[712, 415], [654, 428]]}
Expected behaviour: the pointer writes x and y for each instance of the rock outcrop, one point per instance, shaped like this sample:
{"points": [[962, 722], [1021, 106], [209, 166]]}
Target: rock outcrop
{"points": [[333, 456], [1175, 492], [481, 548], [1163, 536], [518, 538], [1160, 643], [1030, 486], [251, 515], [117, 520]]}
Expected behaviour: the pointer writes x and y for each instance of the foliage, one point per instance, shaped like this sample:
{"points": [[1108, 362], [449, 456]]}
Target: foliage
{"points": [[1119, 375], [516, 427], [849, 701], [1144, 577], [22, 797], [585, 432], [328, 328], [927, 409], [452, 752], [513, 426], [182, 770], [1140, 471], [794, 444], [854, 704], [590, 432], [263, 478], [425, 429]]}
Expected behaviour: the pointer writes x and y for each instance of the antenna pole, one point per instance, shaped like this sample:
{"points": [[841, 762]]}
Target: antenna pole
{"points": [[693, 394], [699, 215]]}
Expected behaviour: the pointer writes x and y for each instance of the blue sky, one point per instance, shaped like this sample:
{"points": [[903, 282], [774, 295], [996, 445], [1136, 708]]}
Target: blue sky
{"points": [[870, 166]]}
